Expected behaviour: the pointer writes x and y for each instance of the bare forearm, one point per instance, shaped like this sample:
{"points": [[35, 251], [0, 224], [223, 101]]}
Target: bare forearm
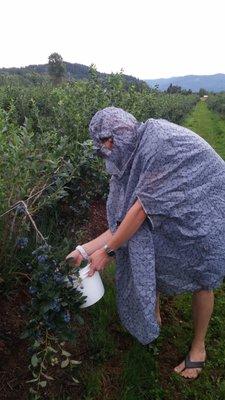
{"points": [[130, 224], [98, 243]]}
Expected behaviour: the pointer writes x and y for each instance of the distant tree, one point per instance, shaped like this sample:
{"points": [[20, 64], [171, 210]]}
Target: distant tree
{"points": [[189, 91], [174, 89], [186, 91], [56, 68], [202, 92]]}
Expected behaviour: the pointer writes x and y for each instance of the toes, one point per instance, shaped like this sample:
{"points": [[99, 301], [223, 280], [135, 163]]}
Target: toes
{"points": [[179, 367], [187, 373], [190, 373]]}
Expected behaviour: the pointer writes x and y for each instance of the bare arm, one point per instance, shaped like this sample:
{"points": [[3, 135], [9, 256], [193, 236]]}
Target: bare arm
{"points": [[132, 221], [90, 247], [97, 243], [130, 224]]}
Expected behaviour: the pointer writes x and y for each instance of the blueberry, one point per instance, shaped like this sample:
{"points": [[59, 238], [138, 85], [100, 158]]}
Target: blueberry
{"points": [[58, 277], [50, 325], [70, 278], [55, 304], [66, 316], [46, 247], [32, 290], [42, 259], [29, 267], [22, 242], [30, 350], [42, 249], [38, 335], [43, 278], [20, 209]]}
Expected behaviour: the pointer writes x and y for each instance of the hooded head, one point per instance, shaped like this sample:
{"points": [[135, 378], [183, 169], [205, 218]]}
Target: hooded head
{"points": [[122, 127]]}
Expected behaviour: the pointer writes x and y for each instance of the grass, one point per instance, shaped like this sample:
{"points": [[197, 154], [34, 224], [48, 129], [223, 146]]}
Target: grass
{"points": [[120, 368], [209, 125]]}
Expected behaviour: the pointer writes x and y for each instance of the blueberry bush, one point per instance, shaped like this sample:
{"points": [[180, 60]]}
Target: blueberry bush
{"points": [[216, 102], [49, 178]]}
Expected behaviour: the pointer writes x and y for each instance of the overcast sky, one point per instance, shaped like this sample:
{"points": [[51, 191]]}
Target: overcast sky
{"points": [[147, 39]]}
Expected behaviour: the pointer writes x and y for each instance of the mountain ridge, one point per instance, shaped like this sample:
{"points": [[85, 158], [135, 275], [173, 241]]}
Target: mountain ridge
{"points": [[211, 83], [73, 71]]}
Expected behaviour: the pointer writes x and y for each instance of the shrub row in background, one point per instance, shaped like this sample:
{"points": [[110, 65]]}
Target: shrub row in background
{"points": [[47, 161], [44, 138], [217, 103]]}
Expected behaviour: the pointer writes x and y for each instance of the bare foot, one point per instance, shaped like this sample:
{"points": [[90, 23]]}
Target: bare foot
{"points": [[195, 355]]}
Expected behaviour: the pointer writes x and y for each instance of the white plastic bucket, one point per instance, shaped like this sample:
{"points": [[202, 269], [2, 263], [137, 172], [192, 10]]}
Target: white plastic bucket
{"points": [[90, 286]]}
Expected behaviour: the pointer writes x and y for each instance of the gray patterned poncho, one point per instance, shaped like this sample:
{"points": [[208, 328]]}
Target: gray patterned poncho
{"points": [[180, 181]]}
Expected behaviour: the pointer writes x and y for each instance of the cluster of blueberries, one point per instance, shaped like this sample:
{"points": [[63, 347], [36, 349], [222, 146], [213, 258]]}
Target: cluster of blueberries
{"points": [[54, 305], [22, 242], [20, 209]]}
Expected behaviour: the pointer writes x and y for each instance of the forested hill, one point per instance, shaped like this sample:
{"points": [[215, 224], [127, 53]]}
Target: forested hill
{"points": [[211, 83], [73, 72]]}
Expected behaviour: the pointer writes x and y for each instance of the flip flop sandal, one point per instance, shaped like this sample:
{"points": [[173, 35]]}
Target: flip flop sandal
{"points": [[193, 364]]}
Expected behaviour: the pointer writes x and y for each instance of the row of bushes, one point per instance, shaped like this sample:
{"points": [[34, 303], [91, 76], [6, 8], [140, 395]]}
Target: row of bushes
{"points": [[49, 177], [45, 146], [217, 103]]}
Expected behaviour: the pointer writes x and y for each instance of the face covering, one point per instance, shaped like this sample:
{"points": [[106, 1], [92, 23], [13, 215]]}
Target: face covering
{"points": [[122, 128]]}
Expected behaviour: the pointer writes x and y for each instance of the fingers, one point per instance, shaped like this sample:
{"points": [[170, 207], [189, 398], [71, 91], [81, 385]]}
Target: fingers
{"points": [[74, 258], [91, 269], [91, 272], [70, 260]]}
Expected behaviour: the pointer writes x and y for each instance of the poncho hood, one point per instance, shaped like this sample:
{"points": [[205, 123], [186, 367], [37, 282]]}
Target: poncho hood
{"points": [[123, 128]]}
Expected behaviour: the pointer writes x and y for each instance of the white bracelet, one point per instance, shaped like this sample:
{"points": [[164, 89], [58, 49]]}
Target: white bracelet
{"points": [[82, 252]]}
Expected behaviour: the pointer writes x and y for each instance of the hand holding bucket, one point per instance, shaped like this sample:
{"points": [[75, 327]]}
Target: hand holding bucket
{"points": [[90, 286], [91, 283]]}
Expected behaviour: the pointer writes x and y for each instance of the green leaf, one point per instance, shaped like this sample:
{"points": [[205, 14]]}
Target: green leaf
{"points": [[48, 377], [32, 380], [43, 366], [75, 362], [34, 360], [80, 319], [51, 349], [31, 390], [25, 335], [46, 308], [65, 363], [66, 353], [42, 383], [36, 344], [75, 380]]}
